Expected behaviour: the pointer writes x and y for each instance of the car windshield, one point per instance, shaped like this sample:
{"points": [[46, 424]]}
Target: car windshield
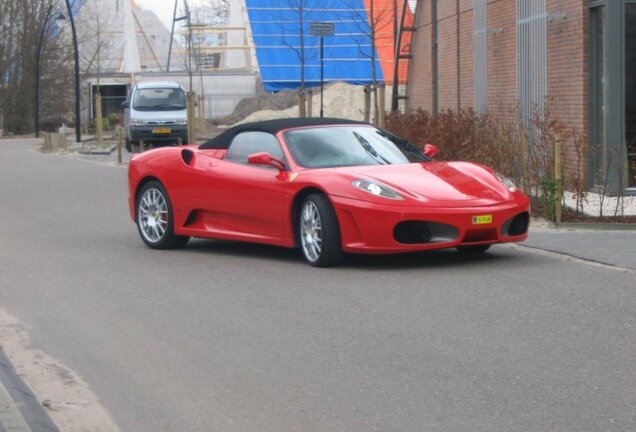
{"points": [[335, 146], [159, 99]]}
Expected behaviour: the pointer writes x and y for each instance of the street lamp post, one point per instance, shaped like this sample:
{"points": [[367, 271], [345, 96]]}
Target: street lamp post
{"points": [[78, 122], [37, 72]]}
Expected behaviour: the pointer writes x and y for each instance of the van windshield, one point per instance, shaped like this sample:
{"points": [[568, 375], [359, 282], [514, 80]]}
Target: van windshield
{"points": [[159, 99]]}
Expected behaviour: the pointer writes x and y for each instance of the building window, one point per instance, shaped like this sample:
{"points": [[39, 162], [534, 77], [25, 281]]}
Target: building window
{"points": [[630, 92], [531, 59], [480, 24], [612, 95], [597, 90]]}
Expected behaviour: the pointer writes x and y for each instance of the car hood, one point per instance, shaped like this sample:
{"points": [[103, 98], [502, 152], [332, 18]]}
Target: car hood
{"points": [[436, 183]]}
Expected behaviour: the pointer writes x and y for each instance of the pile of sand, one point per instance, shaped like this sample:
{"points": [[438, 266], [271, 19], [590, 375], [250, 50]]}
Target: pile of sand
{"points": [[341, 100], [268, 101]]}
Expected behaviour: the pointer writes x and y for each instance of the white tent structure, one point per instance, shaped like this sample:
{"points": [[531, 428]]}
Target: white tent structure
{"points": [[119, 36], [119, 43]]}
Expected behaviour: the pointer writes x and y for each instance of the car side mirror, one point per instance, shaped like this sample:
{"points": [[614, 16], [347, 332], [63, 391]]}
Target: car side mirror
{"points": [[430, 150], [265, 158], [125, 105]]}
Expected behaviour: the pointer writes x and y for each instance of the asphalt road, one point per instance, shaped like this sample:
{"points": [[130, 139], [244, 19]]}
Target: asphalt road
{"points": [[232, 337]]}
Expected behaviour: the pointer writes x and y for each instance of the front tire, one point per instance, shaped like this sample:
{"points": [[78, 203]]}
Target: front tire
{"points": [[319, 232], [155, 219]]}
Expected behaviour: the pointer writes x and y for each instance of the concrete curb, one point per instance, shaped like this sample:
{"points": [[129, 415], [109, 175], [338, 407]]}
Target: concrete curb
{"points": [[94, 150], [20, 411], [597, 226]]}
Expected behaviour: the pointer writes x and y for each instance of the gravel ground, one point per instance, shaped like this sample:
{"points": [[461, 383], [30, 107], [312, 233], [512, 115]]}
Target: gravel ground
{"points": [[592, 204]]}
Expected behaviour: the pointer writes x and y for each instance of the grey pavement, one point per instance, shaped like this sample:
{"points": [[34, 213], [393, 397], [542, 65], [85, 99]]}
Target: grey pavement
{"points": [[606, 245], [236, 337]]}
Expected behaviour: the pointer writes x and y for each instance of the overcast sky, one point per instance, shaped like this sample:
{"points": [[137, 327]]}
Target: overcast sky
{"points": [[164, 8]]}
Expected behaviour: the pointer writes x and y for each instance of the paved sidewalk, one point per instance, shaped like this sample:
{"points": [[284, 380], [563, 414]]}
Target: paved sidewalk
{"points": [[604, 244], [20, 410]]}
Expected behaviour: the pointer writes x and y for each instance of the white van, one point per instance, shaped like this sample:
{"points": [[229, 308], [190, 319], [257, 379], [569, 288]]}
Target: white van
{"points": [[155, 112]]}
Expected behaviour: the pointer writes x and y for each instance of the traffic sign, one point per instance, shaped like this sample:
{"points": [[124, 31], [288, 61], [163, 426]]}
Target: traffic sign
{"points": [[323, 28]]}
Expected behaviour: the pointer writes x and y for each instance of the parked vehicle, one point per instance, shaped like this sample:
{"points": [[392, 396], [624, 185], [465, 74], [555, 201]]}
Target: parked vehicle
{"points": [[155, 112], [327, 186]]}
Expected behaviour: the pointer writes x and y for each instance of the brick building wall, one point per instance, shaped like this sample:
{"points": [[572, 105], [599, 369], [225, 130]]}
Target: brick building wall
{"points": [[420, 76], [502, 58], [466, 57], [567, 60], [568, 80]]}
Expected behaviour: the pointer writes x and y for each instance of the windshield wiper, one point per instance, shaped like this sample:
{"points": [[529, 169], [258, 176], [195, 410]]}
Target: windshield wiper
{"points": [[404, 146], [369, 149]]}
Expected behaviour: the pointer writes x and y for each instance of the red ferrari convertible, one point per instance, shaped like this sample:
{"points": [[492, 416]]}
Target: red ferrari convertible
{"points": [[328, 186]]}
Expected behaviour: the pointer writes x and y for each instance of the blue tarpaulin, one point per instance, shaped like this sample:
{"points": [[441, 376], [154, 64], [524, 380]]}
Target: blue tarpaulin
{"points": [[276, 31]]}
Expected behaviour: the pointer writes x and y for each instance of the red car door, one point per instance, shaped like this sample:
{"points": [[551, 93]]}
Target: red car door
{"points": [[248, 199]]}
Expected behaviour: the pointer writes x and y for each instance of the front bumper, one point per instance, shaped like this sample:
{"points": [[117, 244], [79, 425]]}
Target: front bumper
{"points": [[371, 228], [149, 135]]}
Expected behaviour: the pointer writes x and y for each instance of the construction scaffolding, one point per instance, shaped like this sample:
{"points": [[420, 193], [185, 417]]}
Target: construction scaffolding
{"points": [[215, 35]]}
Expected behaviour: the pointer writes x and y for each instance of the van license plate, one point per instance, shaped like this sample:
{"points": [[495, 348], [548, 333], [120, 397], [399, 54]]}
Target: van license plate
{"points": [[482, 219], [161, 130]]}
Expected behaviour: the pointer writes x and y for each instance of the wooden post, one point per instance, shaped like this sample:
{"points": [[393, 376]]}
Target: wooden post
{"points": [[524, 162], [202, 113], [99, 125], [558, 178], [141, 146], [367, 103], [302, 109], [55, 141], [191, 132], [119, 143], [63, 142], [48, 146], [310, 97], [381, 105]]}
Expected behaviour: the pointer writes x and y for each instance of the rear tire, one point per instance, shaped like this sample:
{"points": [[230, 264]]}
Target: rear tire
{"points": [[319, 232], [473, 249], [155, 220]]}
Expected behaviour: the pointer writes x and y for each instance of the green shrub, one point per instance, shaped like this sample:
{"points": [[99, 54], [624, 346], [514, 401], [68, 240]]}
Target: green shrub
{"points": [[522, 153]]}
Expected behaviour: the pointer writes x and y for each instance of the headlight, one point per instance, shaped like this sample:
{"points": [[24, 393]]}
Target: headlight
{"points": [[134, 122], [377, 189], [507, 182], [180, 121]]}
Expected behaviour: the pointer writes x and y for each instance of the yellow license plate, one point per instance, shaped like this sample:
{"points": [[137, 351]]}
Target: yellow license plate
{"points": [[161, 130], [482, 219]]}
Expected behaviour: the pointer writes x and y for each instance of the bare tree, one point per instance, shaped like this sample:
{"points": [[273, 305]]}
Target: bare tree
{"points": [[292, 29], [371, 23], [21, 22], [99, 51]]}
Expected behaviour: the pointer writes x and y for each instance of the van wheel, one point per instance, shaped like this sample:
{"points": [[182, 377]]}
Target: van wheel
{"points": [[128, 145]]}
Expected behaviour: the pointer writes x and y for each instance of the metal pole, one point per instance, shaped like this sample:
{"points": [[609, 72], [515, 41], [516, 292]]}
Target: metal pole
{"points": [[120, 138], [37, 72], [78, 120], [558, 177], [396, 59], [174, 18], [322, 73]]}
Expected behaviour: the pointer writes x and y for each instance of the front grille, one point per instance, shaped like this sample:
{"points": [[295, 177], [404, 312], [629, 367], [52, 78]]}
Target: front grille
{"points": [[517, 225], [160, 123], [416, 232], [412, 232]]}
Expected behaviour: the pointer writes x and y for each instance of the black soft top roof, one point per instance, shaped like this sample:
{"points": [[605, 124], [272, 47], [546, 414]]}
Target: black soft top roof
{"points": [[223, 140]]}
